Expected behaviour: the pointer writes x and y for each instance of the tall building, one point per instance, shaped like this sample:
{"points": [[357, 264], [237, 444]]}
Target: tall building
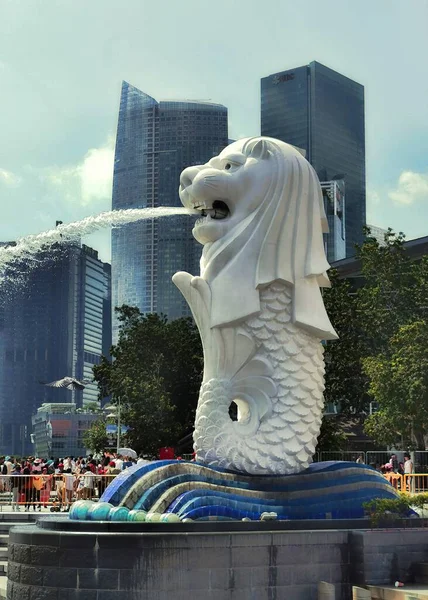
{"points": [[155, 142], [52, 325], [322, 111], [334, 205], [93, 319]]}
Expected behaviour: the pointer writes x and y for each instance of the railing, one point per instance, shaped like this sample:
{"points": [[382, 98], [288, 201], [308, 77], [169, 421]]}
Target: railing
{"points": [[377, 458], [339, 455], [56, 492], [381, 457], [414, 483]]}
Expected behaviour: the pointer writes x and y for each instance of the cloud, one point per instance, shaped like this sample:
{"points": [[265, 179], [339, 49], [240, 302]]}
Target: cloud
{"points": [[9, 179], [87, 182], [412, 187]]}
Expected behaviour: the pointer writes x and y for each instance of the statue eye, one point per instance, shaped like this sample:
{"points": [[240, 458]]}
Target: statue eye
{"points": [[227, 166]]}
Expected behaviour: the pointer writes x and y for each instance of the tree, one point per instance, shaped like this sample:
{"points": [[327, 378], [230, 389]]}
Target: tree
{"points": [[399, 383], [391, 292], [155, 371], [92, 407], [95, 438], [394, 291], [345, 381], [332, 437]]}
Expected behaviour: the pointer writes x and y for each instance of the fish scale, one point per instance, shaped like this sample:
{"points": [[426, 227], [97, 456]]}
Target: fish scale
{"points": [[287, 433]]}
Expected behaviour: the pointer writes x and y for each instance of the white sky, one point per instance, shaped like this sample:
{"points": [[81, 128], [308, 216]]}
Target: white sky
{"points": [[62, 63]]}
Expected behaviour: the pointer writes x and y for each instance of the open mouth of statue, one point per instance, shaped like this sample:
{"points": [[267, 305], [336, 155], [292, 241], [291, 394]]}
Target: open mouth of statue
{"points": [[218, 211]]}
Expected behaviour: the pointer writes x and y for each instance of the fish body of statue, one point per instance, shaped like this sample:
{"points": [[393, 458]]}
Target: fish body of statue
{"points": [[258, 306]]}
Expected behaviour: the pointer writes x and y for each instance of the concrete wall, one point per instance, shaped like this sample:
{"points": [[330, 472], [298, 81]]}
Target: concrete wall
{"points": [[284, 565], [46, 565], [384, 556]]}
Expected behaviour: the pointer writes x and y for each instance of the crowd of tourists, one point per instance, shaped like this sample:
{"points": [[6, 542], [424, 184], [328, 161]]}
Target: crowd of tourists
{"points": [[393, 465], [36, 482]]}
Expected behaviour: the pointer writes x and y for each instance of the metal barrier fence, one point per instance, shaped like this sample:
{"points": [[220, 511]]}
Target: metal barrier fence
{"points": [[340, 455], [414, 483], [421, 461], [50, 491], [58, 492], [377, 458]]}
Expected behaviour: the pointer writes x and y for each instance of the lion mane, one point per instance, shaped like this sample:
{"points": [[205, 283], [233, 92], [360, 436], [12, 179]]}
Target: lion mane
{"points": [[281, 240]]}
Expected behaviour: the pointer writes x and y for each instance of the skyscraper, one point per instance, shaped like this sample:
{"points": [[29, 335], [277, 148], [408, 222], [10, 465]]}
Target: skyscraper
{"points": [[93, 319], [322, 111], [155, 142], [51, 326]]}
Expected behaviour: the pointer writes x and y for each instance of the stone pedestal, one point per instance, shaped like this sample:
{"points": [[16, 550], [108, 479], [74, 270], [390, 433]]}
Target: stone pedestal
{"points": [[109, 565], [202, 561]]}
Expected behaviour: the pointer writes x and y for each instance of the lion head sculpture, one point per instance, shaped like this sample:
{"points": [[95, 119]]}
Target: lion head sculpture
{"points": [[262, 220]]}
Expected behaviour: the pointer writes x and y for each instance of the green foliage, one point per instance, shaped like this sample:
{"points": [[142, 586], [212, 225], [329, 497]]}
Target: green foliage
{"points": [[331, 437], [395, 290], [381, 352], [345, 382], [156, 372], [399, 382], [416, 500], [95, 438], [93, 407], [378, 426], [383, 509]]}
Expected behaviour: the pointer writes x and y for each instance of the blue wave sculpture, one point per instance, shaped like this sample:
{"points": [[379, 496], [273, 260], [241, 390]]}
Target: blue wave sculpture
{"points": [[328, 490]]}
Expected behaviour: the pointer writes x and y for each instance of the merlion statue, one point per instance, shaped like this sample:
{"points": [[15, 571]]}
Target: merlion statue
{"points": [[258, 306]]}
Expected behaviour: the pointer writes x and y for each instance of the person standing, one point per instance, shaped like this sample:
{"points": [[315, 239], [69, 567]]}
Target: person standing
{"points": [[17, 487], [38, 483], [69, 484], [409, 470], [27, 487], [118, 462], [8, 461], [360, 459]]}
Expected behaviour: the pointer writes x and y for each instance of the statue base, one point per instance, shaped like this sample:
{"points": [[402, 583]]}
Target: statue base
{"points": [[172, 490]]}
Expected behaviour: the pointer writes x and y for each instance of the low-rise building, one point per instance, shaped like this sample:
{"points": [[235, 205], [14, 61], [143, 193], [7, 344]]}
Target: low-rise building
{"points": [[58, 430]]}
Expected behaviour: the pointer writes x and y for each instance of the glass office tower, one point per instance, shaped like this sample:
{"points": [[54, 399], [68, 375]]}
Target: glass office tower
{"points": [[55, 322], [322, 111], [155, 142]]}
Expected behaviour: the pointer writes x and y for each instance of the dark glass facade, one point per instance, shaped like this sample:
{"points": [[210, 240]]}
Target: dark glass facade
{"points": [[322, 111], [155, 142], [56, 323]]}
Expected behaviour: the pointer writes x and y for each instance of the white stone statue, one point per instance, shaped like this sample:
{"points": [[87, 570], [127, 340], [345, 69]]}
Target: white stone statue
{"points": [[258, 306]]}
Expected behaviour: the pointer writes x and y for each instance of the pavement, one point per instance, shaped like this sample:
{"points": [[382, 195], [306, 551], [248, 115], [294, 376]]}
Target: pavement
{"points": [[6, 509]]}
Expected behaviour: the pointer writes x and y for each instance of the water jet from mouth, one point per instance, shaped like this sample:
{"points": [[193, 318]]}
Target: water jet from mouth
{"points": [[28, 248]]}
